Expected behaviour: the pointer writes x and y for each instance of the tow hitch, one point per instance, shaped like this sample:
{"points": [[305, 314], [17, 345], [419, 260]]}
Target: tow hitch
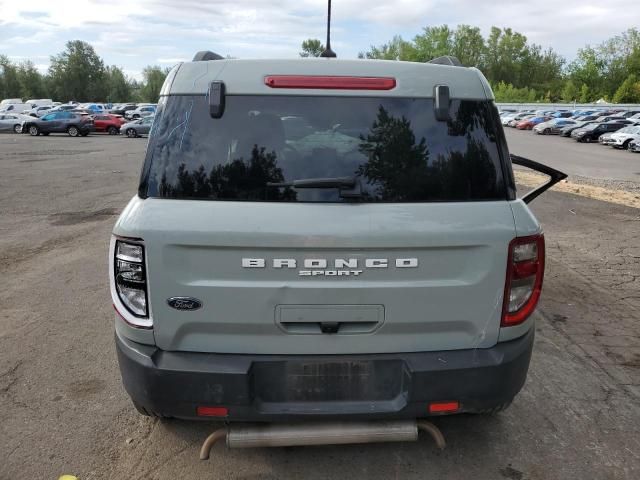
{"points": [[328, 433]]}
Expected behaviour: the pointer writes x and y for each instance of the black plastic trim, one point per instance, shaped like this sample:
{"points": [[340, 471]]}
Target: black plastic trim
{"points": [[174, 383], [556, 176]]}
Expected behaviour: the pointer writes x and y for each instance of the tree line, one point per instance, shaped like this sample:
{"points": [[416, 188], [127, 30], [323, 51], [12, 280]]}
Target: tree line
{"points": [[520, 71], [78, 73]]}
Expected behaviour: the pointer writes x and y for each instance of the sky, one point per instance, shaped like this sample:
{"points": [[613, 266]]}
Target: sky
{"points": [[135, 33]]}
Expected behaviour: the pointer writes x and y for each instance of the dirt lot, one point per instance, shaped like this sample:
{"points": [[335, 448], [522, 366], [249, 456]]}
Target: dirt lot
{"points": [[63, 410]]}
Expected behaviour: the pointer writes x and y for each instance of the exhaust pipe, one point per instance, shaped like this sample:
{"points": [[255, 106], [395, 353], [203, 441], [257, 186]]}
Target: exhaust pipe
{"points": [[328, 433]]}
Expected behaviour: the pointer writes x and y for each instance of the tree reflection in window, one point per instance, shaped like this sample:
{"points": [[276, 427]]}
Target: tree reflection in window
{"points": [[238, 180], [399, 167]]}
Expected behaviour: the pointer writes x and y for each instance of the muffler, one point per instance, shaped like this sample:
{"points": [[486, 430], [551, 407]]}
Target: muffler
{"points": [[326, 433]]}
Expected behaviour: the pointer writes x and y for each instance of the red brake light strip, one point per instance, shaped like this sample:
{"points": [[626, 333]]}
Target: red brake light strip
{"points": [[330, 82]]}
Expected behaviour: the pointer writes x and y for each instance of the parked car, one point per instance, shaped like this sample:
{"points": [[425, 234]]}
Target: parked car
{"points": [[64, 107], [518, 118], [591, 132], [14, 107], [505, 119], [630, 113], [246, 292], [553, 127], [71, 123], [562, 114], [566, 131], [138, 127], [93, 107], [605, 138], [140, 111], [529, 123], [106, 122], [623, 137], [12, 122], [38, 111], [123, 108]]}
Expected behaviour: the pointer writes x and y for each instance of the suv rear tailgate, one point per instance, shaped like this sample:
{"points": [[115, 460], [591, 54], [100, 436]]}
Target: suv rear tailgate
{"points": [[451, 299]]}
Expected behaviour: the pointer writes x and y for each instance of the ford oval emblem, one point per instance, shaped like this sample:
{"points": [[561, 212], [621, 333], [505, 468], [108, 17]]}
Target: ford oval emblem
{"points": [[184, 303]]}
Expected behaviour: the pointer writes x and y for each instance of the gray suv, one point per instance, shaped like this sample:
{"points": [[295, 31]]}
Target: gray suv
{"points": [[325, 239], [74, 124]]}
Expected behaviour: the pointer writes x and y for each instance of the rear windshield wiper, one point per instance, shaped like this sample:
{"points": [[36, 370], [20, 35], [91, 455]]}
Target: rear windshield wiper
{"points": [[334, 182], [349, 186]]}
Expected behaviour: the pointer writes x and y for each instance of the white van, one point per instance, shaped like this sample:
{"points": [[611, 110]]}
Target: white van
{"points": [[42, 102], [14, 107]]}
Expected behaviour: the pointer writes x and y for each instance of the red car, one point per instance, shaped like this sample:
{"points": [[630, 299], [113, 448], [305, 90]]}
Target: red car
{"points": [[108, 123], [529, 123]]}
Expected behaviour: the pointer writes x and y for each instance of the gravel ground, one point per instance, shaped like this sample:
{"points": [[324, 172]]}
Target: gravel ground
{"points": [[63, 410]]}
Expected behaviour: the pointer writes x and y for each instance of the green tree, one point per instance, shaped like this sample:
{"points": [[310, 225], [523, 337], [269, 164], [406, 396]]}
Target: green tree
{"points": [[433, 42], [119, 89], [9, 82], [585, 94], [629, 91], [32, 82], [570, 92], [154, 77], [311, 47], [396, 49], [78, 73], [469, 46]]}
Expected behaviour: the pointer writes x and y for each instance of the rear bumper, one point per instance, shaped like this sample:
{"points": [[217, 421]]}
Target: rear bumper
{"points": [[302, 387]]}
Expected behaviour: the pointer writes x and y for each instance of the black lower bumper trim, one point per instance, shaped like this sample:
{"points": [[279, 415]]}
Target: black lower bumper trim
{"points": [[290, 387]]}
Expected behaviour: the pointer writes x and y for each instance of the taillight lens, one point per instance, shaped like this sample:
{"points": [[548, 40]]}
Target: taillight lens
{"points": [[525, 271], [130, 282]]}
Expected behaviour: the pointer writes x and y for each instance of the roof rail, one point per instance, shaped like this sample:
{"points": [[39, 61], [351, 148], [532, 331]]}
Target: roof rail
{"points": [[446, 60], [205, 55]]}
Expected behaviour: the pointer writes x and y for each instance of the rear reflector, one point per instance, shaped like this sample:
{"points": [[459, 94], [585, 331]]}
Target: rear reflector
{"points": [[444, 407], [212, 411], [327, 82]]}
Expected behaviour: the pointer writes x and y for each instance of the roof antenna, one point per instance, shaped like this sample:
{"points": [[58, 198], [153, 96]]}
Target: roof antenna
{"points": [[328, 53]]}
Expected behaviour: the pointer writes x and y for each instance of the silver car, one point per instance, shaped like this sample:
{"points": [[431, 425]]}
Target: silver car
{"points": [[12, 122], [138, 127]]}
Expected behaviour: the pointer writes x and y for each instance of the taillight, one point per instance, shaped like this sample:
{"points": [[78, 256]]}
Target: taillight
{"points": [[129, 281], [330, 82], [525, 271]]}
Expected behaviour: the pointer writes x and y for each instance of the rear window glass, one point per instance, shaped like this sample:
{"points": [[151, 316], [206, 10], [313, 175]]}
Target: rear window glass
{"points": [[393, 149]]}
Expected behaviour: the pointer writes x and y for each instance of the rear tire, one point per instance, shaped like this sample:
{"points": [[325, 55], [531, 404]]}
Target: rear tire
{"points": [[73, 131], [34, 131], [17, 128], [131, 133], [112, 130]]}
